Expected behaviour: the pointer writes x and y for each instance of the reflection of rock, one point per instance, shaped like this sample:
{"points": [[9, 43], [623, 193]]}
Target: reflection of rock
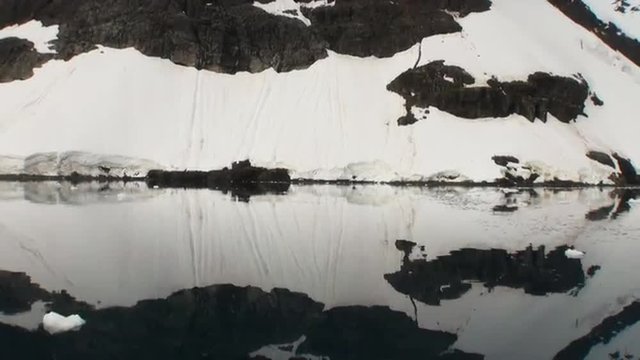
{"points": [[602, 333], [450, 277], [447, 88], [227, 322], [17, 293], [357, 332], [615, 209]]}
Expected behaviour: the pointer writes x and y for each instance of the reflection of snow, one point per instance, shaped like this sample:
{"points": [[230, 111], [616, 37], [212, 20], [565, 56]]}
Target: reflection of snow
{"points": [[55, 323], [334, 243]]}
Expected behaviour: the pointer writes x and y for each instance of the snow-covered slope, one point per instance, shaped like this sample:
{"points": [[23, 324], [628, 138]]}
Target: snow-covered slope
{"points": [[335, 119]]}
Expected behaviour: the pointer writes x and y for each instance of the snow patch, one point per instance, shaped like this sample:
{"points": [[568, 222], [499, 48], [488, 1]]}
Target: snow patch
{"points": [[291, 9], [89, 164], [34, 31], [55, 323]]}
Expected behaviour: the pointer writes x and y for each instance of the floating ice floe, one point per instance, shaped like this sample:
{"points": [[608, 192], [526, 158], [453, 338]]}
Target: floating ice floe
{"points": [[573, 254], [55, 323]]}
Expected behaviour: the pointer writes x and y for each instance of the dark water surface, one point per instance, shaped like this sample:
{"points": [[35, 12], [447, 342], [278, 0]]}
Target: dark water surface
{"points": [[322, 272]]}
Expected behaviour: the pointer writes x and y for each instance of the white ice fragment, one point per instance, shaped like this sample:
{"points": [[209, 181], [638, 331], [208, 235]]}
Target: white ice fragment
{"points": [[573, 254], [55, 323]]}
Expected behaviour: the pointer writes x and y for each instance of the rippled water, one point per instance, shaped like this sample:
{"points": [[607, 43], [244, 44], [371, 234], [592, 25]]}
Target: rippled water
{"points": [[339, 272]]}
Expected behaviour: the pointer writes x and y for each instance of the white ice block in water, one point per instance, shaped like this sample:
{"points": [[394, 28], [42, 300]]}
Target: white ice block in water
{"points": [[55, 323], [573, 254]]}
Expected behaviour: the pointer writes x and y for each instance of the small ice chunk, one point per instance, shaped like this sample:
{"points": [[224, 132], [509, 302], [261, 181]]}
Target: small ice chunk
{"points": [[573, 254], [55, 323]]}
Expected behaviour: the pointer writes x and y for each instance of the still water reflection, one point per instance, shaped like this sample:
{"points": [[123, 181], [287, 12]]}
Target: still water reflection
{"points": [[322, 272]]}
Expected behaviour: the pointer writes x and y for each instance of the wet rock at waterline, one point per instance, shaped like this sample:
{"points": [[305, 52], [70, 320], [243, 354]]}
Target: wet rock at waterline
{"points": [[242, 179]]}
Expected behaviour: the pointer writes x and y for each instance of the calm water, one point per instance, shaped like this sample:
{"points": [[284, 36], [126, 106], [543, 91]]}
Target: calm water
{"points": [[322, 272]]}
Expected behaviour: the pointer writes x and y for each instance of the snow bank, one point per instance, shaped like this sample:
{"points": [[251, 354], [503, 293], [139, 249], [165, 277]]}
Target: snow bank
{"points": [[55, 323]]}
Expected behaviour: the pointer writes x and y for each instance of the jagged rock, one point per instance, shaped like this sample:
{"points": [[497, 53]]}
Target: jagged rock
{"points": [[596, 100], [233, 35], [383, 28], [504, 160], [18, 11], [18, 58], [602, 158], [628, 173], [445, 87]]}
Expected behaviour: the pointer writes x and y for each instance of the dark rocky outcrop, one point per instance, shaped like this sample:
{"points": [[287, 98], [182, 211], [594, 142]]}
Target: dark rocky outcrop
{"points": [[602, 158], [383, 28], [230, 322], [628, 173], [447, 88], [504, 160], [450, 276], [18, 58], [607, 32], [233, 35], [242, 180]]}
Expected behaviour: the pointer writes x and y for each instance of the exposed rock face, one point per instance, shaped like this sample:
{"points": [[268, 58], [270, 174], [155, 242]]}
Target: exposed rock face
{"points": [[233, 35], [448, 88], [602, 158], [383, 28], [18, 58], [607, 32], [628, 173], [449, 277]]}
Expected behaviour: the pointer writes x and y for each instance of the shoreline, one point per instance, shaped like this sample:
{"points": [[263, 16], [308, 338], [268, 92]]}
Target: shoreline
{"points": [[197, 180]]}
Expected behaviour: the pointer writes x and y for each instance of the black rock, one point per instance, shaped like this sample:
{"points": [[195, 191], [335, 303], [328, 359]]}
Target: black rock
{"points": [[445, 87], [18, 58], [504, 160], [602, 158], [629, 176]]}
